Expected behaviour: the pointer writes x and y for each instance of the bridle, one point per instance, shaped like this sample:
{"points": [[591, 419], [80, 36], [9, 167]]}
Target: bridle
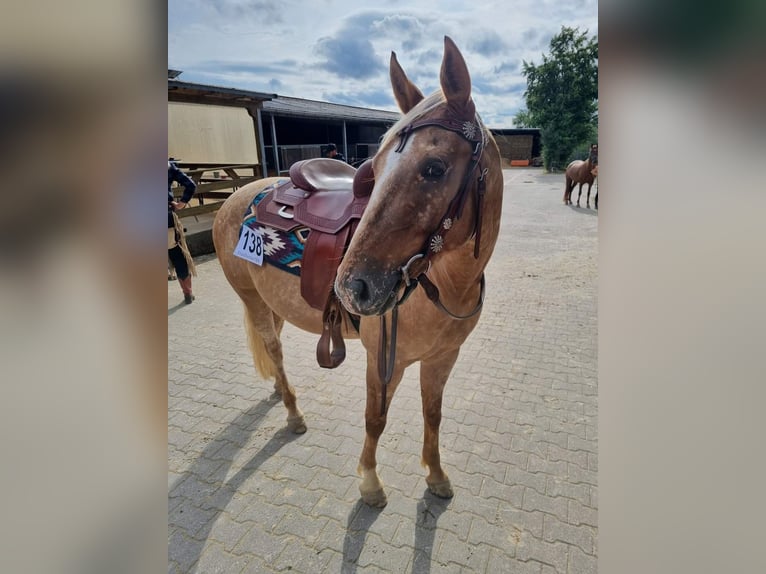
{"points": [[472, 132]]}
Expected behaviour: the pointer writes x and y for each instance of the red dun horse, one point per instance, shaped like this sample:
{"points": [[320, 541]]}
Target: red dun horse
{"points": [[432, 221], [580, 172]]}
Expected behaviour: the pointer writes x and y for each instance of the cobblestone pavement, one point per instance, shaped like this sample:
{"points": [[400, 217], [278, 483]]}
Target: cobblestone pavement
{"points": [[518, 435]]}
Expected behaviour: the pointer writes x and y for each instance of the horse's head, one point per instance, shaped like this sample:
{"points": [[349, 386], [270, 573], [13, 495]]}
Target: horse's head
{"points": [[424, 201]]}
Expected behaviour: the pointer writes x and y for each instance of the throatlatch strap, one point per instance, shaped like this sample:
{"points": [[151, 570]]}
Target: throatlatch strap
{"points": [[481, 188]]}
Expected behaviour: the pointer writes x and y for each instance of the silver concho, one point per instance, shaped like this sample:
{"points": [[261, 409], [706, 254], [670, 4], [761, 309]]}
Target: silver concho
{"points": [[447, 223], [437, 242], [470, 130]]}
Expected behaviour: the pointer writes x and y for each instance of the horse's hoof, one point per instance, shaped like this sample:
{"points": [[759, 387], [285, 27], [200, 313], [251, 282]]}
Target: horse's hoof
{"points": [[441, 489], [376, 498], [297, 425]]}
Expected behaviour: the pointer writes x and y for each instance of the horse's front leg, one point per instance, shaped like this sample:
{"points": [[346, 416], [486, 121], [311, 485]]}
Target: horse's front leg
{"points": [[579, 194], [433, 377], [587, 201], [371, 487]]}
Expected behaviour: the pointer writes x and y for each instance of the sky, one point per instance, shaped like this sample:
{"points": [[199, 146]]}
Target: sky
{"points": [[338, 51]]}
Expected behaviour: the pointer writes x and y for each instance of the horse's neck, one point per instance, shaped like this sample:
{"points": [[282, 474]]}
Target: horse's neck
{"points": [[457, 272]]}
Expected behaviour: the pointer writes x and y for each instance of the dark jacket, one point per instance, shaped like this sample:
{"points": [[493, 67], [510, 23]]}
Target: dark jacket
{"points": [[175, 174]]}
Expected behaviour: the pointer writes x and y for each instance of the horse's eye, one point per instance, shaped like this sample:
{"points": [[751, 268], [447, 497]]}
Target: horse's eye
{"points": [[434, 170]]}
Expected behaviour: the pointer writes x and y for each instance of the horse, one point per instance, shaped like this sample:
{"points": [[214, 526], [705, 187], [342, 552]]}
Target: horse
{"points": [[580, 172], [432, 221]]}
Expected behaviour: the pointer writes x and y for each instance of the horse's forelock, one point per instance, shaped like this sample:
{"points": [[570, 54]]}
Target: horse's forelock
{"points": [[424, 107]]}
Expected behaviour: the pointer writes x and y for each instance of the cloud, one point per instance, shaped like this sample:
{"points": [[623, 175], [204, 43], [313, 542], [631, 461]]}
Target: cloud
{"points": [[432, 57], [507, 68], [409, 31], [377, 99], [369, 36], [281, 67], [487, 43], [399, 24], [324, 52], [535, 38], [349, 57], [252, 9]]}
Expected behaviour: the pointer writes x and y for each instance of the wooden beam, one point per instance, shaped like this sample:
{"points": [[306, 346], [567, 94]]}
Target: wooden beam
{"points": [[199, 209]]}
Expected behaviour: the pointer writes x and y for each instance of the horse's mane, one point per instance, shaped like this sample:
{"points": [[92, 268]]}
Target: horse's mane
{"points": [[424, 106]]}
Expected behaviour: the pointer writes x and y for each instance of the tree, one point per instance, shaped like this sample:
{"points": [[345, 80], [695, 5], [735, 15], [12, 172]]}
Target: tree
{"points": [[523, 119], [562, 96]]}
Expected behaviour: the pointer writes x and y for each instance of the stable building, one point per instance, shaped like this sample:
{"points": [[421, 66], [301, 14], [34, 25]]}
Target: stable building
{"points": [[213, 127], [519, 146]]}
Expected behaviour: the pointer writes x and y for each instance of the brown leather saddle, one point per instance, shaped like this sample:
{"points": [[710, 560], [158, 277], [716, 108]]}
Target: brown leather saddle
{"points": [[328, 197]]}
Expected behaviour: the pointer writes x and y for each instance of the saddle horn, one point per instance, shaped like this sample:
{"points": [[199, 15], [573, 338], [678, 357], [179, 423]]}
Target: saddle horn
{"points": [[364, 180]]}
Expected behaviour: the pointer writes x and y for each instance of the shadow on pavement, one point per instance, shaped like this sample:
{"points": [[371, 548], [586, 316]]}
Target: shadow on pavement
{"points": [[361, 517], [583, 210], [176, 307], [207, 492], [430, 508]]}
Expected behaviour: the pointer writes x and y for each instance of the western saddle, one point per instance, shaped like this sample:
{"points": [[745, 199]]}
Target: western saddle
{"points": [[327, 196]]}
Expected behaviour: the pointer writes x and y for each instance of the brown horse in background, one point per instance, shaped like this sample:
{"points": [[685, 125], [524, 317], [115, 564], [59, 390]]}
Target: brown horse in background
{"points": [[432, 221], [581, 172]]}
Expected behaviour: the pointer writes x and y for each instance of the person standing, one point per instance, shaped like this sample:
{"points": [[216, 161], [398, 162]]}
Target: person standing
{"points": [[332, 152], [178, 252]]}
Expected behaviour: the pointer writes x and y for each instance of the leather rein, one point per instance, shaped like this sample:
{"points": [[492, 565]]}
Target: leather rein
{"points": [[473, 133]]}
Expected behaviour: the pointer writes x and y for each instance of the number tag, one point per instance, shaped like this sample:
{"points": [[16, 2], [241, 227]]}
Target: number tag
{"points": [[250, 245]]}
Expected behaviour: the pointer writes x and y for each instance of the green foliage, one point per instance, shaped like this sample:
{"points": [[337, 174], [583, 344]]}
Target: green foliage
{"points": [[523, 119], [562, 96]]}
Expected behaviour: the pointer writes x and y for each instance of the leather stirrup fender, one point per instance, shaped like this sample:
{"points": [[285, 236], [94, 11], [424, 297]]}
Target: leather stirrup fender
{"points": [[331, 333]]}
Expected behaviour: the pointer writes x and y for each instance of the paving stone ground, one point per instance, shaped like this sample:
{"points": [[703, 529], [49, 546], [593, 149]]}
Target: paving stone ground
{"points": [[518, 435]]}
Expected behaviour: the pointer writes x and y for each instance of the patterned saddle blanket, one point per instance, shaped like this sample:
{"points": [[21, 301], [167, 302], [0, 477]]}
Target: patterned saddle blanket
{"points": [[307, 223]]}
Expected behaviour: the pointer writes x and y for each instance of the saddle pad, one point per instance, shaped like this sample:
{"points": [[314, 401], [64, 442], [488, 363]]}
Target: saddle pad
{"points": [[282, 249]]}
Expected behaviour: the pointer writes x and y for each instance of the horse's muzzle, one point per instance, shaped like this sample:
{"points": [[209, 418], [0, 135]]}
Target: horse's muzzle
{"points": [[367, 293]]}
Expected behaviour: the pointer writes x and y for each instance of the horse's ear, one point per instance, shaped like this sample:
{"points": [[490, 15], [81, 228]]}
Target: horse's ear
{"points": [[456, 81], [406, 93]]}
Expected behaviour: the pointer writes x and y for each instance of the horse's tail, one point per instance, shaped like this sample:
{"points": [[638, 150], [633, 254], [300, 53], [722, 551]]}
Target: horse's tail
{"points": [[263, 363]]}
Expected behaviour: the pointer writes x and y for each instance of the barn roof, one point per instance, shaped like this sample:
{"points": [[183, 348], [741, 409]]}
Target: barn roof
{"points": [[287, 106], [272, 103], [206, 94], [516, 131]]}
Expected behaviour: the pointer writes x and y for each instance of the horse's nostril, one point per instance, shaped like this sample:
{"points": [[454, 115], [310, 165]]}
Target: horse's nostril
{"points": [[360, 290]]}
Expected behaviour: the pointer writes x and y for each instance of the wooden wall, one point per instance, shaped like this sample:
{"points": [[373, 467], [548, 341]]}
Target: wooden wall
{"points": [[202, 133]]}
